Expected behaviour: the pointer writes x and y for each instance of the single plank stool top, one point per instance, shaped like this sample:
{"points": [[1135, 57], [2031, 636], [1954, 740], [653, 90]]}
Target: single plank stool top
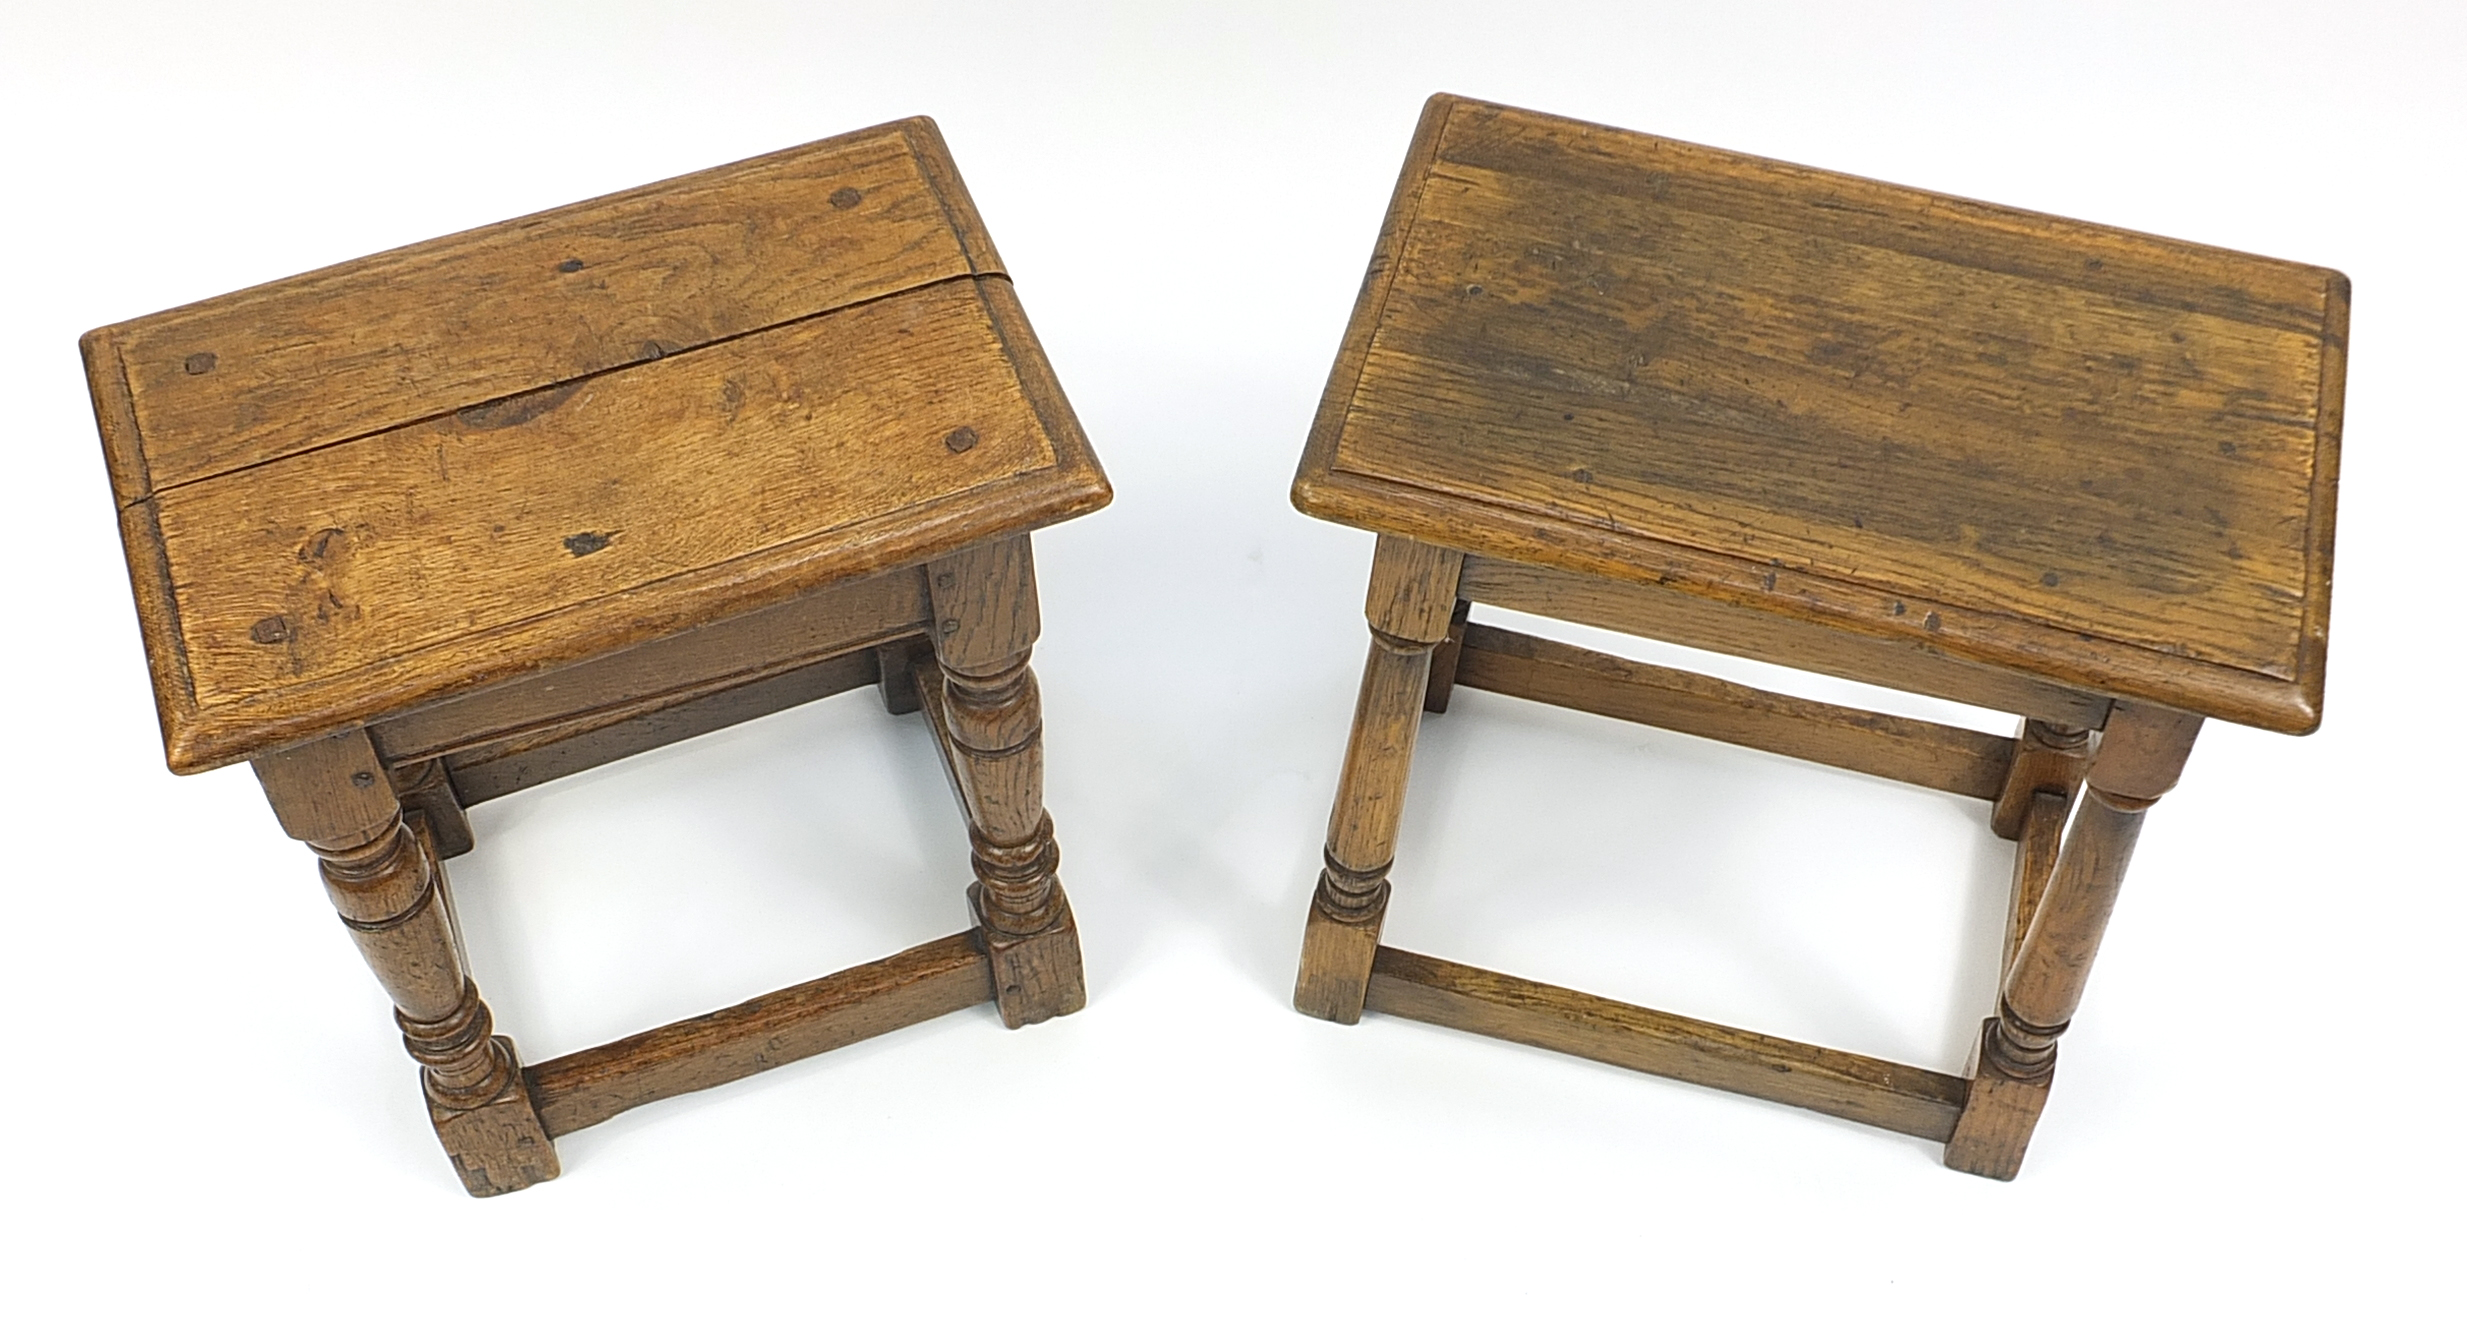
{"points": [[422, 529], [2073, 473]]}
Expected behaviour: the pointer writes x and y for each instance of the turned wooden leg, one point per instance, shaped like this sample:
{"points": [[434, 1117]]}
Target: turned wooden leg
{"points": [[2138, 759], [390, 890], [985, 621], [1412, 598]]}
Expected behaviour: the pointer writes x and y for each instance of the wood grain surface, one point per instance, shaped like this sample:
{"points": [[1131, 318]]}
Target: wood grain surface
{"points": [[344, 557], [397, 480], [379, 342], [2095, 456], [1897, 1097], [583, 1088], [1953, 759]]}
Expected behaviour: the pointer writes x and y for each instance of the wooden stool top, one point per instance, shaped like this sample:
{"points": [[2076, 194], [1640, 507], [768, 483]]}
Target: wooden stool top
{"points": [[404, 477], [2094, 457]]}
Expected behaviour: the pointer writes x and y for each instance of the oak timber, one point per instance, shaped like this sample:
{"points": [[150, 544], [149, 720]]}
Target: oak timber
{"points": [[2019, 462], [386, 340], [1686, 619], [1885, 1094], [1953, 759], [2090, 456], [427, 528], [504, 767], [583, 1088], [305, 465], [686, 665]]}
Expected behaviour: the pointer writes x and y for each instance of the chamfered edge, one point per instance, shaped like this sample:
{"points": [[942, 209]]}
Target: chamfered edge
{"points": [[2216, 690], [197, 739], [2114, 668]]}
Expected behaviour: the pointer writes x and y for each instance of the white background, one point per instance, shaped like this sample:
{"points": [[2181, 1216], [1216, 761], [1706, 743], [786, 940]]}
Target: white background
{"points": [[204, 1098]]}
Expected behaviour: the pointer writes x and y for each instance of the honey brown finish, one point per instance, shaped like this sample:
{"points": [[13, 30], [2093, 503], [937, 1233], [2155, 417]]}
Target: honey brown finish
{"points": [[2070, 472], [780, 388], [2094, 457], [430, 527]]}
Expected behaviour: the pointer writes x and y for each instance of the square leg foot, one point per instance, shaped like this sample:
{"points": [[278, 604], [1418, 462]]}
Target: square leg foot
{"points": [[1994, 1129], [1036, 976], [1336, 966], [501, 1146]]}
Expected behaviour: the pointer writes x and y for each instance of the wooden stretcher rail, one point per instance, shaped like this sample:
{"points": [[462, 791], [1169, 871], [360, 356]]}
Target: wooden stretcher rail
{"points": [[1927, 754], [1890, 1096], [931, 702], [581, 1089]]}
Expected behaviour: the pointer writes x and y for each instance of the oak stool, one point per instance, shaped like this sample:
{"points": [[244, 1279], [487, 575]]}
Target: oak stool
{"points": [[426, 528], [2068, 472]]}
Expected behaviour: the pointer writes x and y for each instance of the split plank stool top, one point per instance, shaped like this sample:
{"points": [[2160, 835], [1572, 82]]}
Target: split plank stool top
{"points": [[2073, 473], [426, 528]]}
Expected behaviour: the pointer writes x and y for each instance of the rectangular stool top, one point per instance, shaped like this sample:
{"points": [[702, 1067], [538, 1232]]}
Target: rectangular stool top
{"points": [[397, 479], [2100, 458]]}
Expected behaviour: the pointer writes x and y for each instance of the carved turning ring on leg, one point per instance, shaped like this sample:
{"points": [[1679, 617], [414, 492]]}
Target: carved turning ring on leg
{"points": [[2018, 1049], [1351, 896], [1018, 878], [462, 1065], [377, 883]]}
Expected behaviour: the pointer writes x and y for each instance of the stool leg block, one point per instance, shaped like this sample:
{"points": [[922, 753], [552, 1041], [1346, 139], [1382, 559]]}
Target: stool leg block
{"points": [[1037, 976], [1994, 1128], [500, 1145], [1336, 965]]}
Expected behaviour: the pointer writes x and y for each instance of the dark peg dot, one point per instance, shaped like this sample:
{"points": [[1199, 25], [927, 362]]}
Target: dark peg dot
{"points": [[1473, 290], [2048, 578], [198, 363], [269, 631], [364, 778], [844, 198], [1933, 622], [960, 440], [568, 266], [585, 543], [1898, 609]]}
